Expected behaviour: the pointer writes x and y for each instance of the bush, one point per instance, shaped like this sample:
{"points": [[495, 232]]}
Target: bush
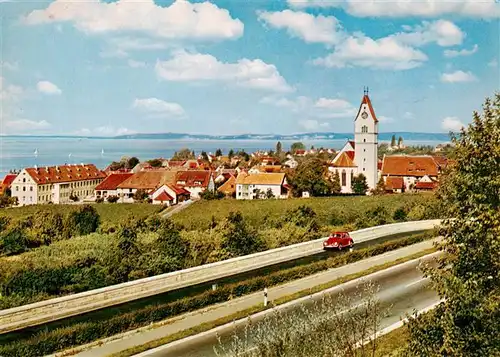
{"points": [[83, 221], [99, 200], [113, 199], [211, 195], [13, 242], [400, 215], [237, 237]]}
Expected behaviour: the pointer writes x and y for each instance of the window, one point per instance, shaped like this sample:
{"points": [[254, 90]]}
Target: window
{"points": [[364, 150], [344, 178], [24, 188], [364, 140], [17, 188], [364, 129], [24, 180], [31, 188]]}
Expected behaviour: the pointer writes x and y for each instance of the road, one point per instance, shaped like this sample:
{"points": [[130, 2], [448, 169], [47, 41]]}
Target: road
{"points": [[215, 312], [403, 290], [178, 208]]}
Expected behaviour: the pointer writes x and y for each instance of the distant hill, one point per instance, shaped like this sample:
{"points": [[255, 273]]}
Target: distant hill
{"points": [[408, 136]]}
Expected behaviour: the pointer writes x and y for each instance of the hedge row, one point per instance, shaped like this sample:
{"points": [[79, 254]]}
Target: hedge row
{"points": [[46, 342]]}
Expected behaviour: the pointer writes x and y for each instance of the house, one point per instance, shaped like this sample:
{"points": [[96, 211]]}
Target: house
{"points": [[253, 186], [195, 181], [291, 163], [169, 194], [426, 183], [265, 168], [410, 168], [300, 152], [109, 187], [229, 187], [394, 184], [146, 181], [56, 184], [6, 183], [224, 175]]}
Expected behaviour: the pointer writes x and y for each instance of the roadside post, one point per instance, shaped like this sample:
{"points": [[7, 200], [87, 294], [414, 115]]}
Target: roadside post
{"points": [[265, 297], [214, 287]]}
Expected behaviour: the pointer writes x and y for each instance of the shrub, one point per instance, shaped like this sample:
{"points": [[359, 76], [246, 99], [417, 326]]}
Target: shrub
{"points": [[211, 195], [400, 215], [99, 200], [13, 241], [238, 237], [113, 199], [84, 220]]}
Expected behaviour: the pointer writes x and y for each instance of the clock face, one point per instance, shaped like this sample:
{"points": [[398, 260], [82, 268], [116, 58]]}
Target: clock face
{"points": [[364, 115]]}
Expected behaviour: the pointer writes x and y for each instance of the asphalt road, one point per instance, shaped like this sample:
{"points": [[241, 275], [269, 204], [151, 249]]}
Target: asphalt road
{"points": [[402, 291]]}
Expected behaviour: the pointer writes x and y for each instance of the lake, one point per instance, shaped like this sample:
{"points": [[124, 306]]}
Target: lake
{"points": [[19, 152]]}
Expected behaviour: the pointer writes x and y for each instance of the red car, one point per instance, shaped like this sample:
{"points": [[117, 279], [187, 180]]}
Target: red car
{"points": [[338, 240]]}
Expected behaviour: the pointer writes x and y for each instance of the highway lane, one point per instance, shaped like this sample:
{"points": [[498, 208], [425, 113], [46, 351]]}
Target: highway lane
{"points": [[401, 291]]}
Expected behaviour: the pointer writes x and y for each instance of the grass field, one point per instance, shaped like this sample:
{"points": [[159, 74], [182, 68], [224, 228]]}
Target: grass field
{"points": [[260, 213], [112, 213]]}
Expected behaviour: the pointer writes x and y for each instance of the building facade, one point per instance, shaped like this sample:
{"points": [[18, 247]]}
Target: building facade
{"points": [[255, 186], [56, 184]]}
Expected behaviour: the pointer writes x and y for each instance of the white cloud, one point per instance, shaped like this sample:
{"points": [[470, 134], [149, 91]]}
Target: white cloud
{"points": [[442, 32], [384, 119], [311, 124], [47, 87], [405, 8], [322, 108], [136, 64], [458, 76], [159, 107], [9, 91], [25, 125], [106, 130], [493, 63], [184, 67], [457, 53], [452, 124], [180, 20], [385, 53], [9, 65], [408, 115], [310, 28]]}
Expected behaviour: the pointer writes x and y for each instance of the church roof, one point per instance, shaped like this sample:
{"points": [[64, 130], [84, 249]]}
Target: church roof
{"points": [[366, 100], [344, 161]]}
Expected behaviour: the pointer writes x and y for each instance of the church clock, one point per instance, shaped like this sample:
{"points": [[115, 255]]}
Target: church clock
{"points": [[364, 115]]}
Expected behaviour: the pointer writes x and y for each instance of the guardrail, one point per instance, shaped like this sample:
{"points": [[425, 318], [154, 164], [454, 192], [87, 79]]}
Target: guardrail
{"points": [[67, 306]]}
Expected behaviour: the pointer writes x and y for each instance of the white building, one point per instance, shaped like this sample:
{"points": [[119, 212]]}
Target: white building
{"points": [[361, 155], [56, 184], [249, 186]]}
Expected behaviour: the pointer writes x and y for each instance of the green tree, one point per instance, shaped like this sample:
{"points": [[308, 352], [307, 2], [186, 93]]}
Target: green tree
{"points": [[269, 193], [393, 141], [231, 153], [400, 141], [335, 186], [218, 153], [359, 184], [183, 154], [380, 188], [83, 221], [297, 146], [156, 162], [237, 237], [279, 148], [310, 177], [467, 277], [132, 162], [204, 156], [14, 241], [170, 242], [140, 195]]}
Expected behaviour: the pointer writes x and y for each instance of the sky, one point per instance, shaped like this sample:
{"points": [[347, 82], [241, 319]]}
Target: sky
{"points": [[105, 68]]}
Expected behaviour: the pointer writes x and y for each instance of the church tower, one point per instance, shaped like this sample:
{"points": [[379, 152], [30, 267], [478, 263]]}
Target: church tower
{"points": [[366, 141]]}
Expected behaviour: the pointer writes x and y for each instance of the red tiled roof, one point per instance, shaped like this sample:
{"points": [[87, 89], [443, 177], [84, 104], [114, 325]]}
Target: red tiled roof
{"points": [[148, 180], [350, 154], [402, 165], [442, 161], [193, 178], [65, 173], [173, 163], [112, 181], [353, 144], [178, 190], [344, 161], [379, 164], [366, 100], [394, 183], [425, 185], [300, 152], [7, 180], [164, 196], [229, 187]]}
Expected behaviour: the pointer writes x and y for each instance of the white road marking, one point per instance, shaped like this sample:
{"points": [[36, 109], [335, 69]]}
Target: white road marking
{"points": [[415, 282]]}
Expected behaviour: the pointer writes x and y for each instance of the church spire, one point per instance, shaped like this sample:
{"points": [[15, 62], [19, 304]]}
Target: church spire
{"points": [[365, 90]]}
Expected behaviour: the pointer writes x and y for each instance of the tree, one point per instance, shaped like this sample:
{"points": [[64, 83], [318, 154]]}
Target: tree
{"points": [[122, 260], [14, 241], [204, 156], [140, 195], [400, 142], [359, 184], [269, 193], [7, 192], [467, 276], [183, 154], [132, 162], [335, 185], [113, 199], [244, 155], [155, 163], [279, 148], [230, 154], [218, 153], [380, 188], [83, 221], [310, 177], [393, 141], [297, 146], [237, 237]]}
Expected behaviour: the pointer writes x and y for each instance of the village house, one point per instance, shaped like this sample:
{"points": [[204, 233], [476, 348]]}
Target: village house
{"points": [[291, 163], [146, 181], [109, 187], [195, 182], [169, 194], [265, 168], [394, 184], [56, 184], [412, 169], [228, 188], [6, 183], [254, 186]]}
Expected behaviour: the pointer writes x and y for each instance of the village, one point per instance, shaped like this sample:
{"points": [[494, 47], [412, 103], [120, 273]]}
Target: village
{"points": [[357, 168]]}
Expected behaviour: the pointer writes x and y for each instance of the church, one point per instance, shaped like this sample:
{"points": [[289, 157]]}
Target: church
{"points": [[361, 155]]}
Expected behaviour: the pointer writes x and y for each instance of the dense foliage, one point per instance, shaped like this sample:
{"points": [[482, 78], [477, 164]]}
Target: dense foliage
{"points": [[468, 276]]}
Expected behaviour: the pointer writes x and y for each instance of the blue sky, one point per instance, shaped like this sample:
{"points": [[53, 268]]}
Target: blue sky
{"points": [[225, 67]]}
